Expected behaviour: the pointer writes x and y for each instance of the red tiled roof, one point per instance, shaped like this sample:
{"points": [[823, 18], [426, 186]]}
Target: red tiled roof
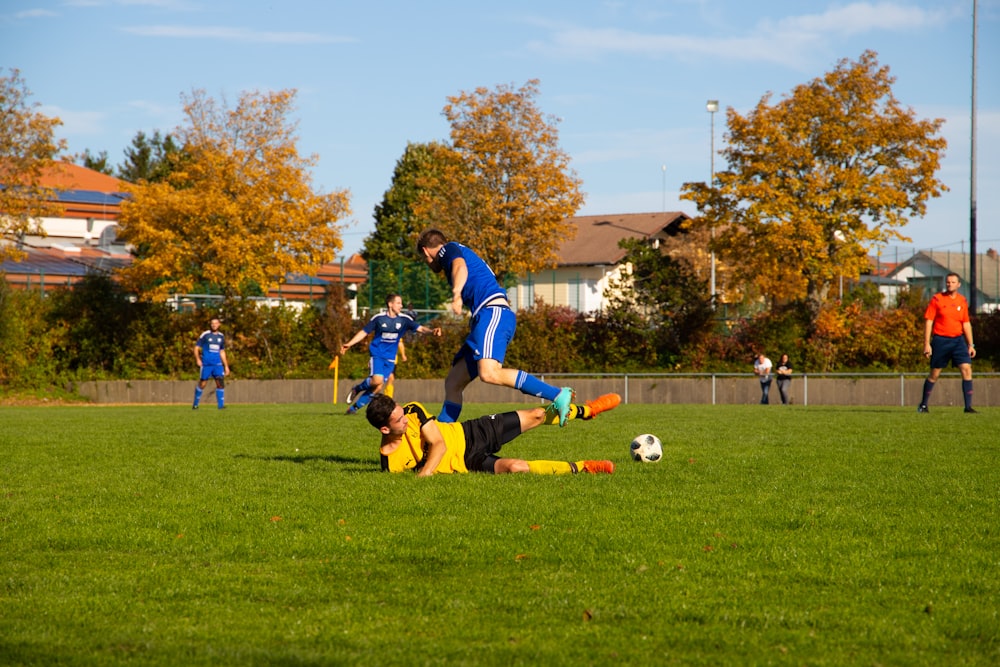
{"points": [[68, 176]]}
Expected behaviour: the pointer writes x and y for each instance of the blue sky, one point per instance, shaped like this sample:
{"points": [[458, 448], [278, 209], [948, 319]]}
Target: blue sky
{"points": [[628, 79]]}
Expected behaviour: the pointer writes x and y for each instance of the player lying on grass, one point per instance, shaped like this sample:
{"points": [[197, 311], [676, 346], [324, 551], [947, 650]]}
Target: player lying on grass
{"points": [[412, 439]]}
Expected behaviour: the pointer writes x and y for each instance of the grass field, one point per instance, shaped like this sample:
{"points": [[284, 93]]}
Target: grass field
{"points": [[265, 535]]}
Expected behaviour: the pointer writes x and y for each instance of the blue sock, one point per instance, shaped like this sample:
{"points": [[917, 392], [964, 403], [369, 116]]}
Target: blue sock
{"points": [[220, 397], [532, 386], [364, 385], [928, 388], [363, 400], [450, 412], [967, 392], [197, 395]]}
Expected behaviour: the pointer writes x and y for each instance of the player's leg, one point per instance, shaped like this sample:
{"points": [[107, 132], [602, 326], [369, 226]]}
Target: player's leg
{"points": [[199, 388], [461, 374], [376, 384], [941, 354], [492, 331], [220, 388]]}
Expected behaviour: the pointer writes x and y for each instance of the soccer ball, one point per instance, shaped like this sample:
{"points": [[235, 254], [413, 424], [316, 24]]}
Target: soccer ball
{"points": [[646, 448]]}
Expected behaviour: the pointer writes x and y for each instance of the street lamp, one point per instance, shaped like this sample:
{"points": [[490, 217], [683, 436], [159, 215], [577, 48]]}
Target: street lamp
{"points": [[712, 106]]}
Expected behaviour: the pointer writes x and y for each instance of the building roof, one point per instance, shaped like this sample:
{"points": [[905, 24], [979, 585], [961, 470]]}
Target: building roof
{"points": [[987, 268], [597, 236], [69, 176]]}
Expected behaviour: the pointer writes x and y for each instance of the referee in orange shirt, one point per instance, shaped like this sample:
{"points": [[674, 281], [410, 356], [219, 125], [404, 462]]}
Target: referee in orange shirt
{"points": [[948, 337]]}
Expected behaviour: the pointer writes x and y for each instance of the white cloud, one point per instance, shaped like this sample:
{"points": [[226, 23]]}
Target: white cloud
{"points": [[77, 122], [233, 34], [35, 14], [789, 42]]}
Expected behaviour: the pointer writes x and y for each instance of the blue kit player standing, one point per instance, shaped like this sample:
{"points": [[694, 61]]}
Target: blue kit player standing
{"points": [[389, 329], [474, 285], [210, 353]]}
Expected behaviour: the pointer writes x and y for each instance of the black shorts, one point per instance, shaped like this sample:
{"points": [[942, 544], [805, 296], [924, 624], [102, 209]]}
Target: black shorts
{"points": [[485, 436]]}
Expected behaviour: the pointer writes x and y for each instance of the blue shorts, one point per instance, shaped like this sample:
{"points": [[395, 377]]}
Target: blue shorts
{"points": [[945, 349], [379, 366], [217, 371], [492, 329]]}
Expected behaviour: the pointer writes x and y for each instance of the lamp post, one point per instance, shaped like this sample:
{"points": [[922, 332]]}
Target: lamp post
{"points": [[712, 106]]}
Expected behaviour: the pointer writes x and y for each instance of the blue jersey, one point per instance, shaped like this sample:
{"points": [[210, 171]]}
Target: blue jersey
{"points": [[388, 332], [481, 286], [212, 343]]}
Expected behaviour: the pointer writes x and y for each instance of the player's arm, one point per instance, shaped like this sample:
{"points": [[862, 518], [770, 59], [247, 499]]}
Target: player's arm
{"points": [[427, 330], [225, 362], [401, 351], [197, 353], [355, 339], [967, 330], [459, 275], [436, 449], [928, 328]]}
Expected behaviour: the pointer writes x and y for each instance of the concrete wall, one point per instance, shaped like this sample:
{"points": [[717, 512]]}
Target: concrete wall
{"points": [[888, 391]]}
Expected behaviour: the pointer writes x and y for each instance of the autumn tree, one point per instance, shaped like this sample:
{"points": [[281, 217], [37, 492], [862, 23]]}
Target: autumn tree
{"points": [[389, 249], [238, 213], [816, 180], [98, 162], [27, 148], [505, 187]]}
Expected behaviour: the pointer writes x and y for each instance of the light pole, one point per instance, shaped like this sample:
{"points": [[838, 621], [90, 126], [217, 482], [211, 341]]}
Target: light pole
{"points": [[712, 106]]}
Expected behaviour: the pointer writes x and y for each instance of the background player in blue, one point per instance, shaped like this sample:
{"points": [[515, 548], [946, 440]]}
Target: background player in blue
{"points": [[210, 353], [389, 328], [474, 285]]}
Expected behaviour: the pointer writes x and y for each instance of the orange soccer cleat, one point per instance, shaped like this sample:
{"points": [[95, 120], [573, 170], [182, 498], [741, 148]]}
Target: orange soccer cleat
{"points": [[600, 404]]}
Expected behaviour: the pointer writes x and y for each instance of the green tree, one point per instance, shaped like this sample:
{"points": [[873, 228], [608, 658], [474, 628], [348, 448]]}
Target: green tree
{"points": [[239, 213], [389, 249], [149, 158], [505, 186], [97, 162], [817, 179], [661, 296], [27, 148]]}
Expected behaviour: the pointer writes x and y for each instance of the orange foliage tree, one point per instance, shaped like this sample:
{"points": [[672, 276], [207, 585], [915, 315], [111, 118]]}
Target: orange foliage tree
{"points": [[816, 180], [27, 148], [237, 212], [503, 186]]}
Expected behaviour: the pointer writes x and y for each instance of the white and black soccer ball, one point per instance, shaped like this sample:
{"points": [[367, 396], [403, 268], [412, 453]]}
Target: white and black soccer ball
{"points": [[646, 448]]}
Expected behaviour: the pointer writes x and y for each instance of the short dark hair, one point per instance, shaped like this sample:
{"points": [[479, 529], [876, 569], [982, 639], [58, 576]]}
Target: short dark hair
{"points": [[389, 297], [380, 410], [430, 238]]}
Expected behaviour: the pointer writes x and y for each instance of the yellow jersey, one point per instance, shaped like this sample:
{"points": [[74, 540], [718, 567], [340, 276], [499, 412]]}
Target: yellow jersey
{"points": [[412, 449]]}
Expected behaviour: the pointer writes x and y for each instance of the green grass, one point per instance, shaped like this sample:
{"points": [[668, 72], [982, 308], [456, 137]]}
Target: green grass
{"points": [[265, 535]]}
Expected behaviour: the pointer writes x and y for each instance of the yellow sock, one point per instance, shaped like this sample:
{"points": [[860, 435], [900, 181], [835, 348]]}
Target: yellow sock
{"points": [[389, 389], [575, 412], [552, 467]]}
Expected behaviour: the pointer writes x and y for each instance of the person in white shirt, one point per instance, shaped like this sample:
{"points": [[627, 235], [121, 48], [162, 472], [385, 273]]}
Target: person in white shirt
{"points": [[762, 369]]}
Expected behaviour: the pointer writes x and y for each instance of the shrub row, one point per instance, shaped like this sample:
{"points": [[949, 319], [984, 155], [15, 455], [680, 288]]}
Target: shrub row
{"points": [[96, 332]]}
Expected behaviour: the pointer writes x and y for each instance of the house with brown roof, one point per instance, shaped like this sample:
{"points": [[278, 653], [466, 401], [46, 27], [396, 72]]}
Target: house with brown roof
{"points": [[588, 262], [927, 269], [85, 239]]}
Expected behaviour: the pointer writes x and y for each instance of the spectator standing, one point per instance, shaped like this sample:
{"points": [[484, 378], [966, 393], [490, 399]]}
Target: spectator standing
{"points": [[784, 372], [762, 369]]}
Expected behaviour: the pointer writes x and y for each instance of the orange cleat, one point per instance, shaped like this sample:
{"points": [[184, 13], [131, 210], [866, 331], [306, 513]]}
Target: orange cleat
{"points": [[594, 467], [600, 404]]}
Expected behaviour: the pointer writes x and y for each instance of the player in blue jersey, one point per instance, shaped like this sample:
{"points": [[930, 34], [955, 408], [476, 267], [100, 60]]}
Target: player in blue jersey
{"points": [[389, 328], [474, 285], [210, 353]]}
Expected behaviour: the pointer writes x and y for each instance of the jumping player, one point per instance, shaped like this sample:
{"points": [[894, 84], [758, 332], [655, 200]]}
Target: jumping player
{"points": [[413, 440], [948, 337], [389, 329], [210, 353], [474, 285]]}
